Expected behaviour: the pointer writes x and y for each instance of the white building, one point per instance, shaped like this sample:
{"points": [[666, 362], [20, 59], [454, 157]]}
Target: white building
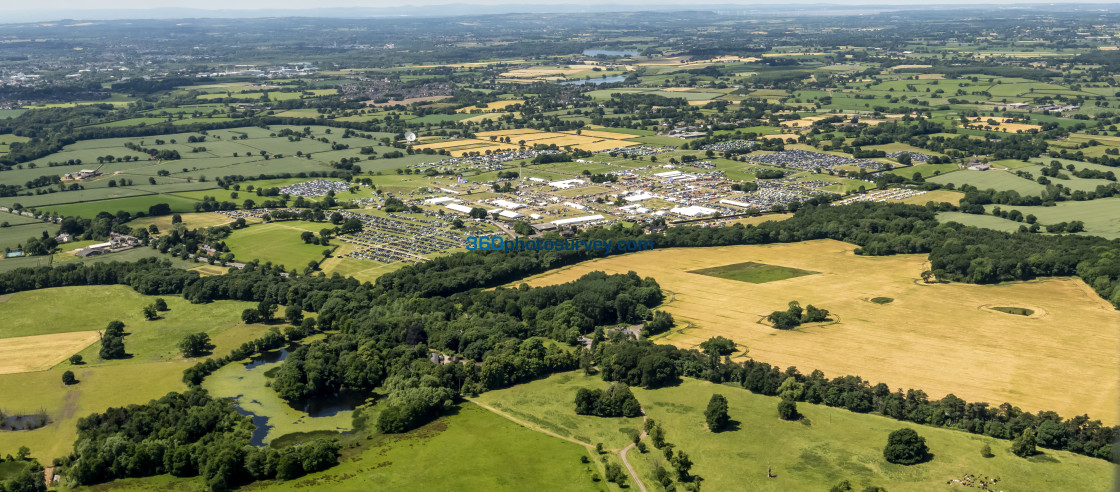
{"points": [[459, 208], [693, 211], [566, 184], [637, 197], [509, 214], [440, 199], [506, 204], [575, 205], [578, 220], [736, 203]]}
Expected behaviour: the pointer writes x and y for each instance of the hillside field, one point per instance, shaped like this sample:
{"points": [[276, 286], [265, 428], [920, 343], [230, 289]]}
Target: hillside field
{"points": [[940, 338]]}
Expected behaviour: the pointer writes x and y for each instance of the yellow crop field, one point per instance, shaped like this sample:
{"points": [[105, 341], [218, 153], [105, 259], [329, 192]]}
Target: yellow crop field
{"points": [[41, 352], [941, 338], [528, 73], [507, 133], [601, 134], [493, 107], [1002, 126]]}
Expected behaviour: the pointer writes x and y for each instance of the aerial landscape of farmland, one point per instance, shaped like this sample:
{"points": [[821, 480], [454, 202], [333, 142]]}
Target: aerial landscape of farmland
{"points": [[846, 247]]}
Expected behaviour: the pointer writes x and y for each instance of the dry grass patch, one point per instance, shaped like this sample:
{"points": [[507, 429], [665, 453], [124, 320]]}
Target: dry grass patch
{"points": [[41, 352], [940, 338]]}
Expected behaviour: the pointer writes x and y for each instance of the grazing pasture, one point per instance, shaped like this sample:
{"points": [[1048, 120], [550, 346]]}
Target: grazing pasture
{"points": [[1039, 363]]}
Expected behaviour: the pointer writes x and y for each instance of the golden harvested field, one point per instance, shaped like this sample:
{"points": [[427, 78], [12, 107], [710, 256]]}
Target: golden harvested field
{"points": [[941, 338], [1003, 126], [41, 352], [589, 140], [492, 107], [528, 73], [506, 133], [602, 134], [953, 197]]}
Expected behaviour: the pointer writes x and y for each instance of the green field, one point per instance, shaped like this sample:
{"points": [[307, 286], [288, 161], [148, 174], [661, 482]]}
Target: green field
{"points": [[1101, 217], [470, 449], [834, 444], [755, 273], [986, 221], [549, 403], [993, 179], [154, 367], [278, 242]]}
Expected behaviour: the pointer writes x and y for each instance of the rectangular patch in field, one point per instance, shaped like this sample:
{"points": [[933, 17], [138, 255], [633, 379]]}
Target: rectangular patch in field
{"points": [[41, 352]]}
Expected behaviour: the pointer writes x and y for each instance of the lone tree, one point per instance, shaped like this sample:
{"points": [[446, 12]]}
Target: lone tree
{"points": [[787, 409], [195, 344], [68, 378], [250, 316], [150, 313], [716, 414], [76, 360], [905, 447], [161, 305], [1024, 445]]}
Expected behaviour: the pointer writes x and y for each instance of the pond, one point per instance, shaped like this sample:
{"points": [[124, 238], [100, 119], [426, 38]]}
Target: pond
{"points": [[610, 53], [601, 80], [246, 385]]}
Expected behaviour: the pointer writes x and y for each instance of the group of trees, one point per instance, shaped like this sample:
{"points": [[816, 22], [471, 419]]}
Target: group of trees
{"points": [[615, 401], [794, 316], [185, 435]]}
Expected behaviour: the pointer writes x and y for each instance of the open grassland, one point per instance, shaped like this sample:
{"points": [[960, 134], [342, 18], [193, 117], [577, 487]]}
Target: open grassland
{"points": [[278, 242], [550, 404], [994, 179], [41, 352], [154, 367], [1101, 217], [834, 444], [131, 205], [471, 449], [1039, 363], [985, 221], [190, 221]]}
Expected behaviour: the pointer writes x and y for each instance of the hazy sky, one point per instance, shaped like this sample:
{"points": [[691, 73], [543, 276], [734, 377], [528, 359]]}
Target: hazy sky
{"points": [[62, 5]]}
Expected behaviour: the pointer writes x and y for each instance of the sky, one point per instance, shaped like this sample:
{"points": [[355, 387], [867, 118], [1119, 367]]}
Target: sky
{"points": [[7, 5], [44, 10]]}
